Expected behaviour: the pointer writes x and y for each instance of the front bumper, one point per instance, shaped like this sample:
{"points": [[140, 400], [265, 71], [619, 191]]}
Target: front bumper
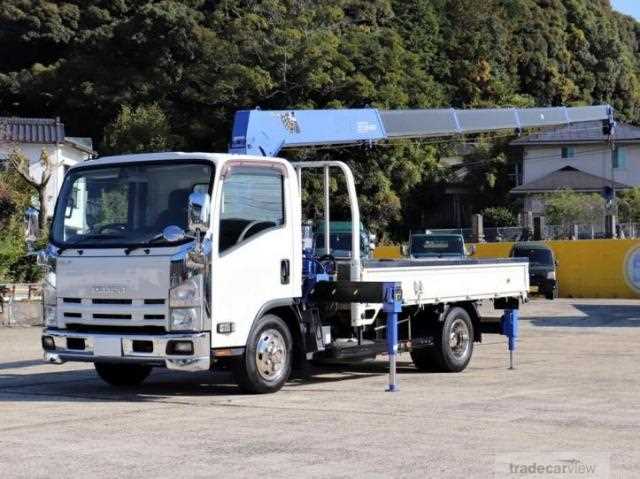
{"points": [[544, 285], [158, 355]]}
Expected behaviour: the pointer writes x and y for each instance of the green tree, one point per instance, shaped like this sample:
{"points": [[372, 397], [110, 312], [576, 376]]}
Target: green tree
{"points": [[629, 205], [137, 130], [566, 208], [18, 164], [499, 216]]}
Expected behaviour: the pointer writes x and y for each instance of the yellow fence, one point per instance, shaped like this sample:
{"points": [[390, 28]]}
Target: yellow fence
{"points": [[586, 268]]}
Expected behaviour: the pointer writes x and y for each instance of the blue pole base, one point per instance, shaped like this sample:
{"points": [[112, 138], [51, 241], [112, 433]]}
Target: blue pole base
{"points": [[392, 388]]}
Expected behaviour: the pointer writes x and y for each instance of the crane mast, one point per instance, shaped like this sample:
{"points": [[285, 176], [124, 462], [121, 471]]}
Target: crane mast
{"points": [[267, 132]]}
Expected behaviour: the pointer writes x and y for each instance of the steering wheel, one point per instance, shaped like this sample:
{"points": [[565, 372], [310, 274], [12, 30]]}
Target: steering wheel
{"points": [[111, 227], [248, 228]]}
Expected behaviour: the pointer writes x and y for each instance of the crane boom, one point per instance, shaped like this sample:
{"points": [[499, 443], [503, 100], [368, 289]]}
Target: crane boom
{"points": [[267, 132]]}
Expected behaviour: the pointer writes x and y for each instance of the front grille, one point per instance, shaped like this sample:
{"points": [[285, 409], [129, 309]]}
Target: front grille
{"points": [[153, 301], [134, 313], [111, 301], [111, 316], [92, 328]]}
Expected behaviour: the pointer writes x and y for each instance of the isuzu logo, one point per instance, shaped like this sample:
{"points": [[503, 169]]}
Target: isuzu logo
{"points": [[109, 290]]}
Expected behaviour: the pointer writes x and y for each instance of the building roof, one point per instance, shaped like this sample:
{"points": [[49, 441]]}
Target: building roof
{"points": [[81, 143], [587, 132], [567, 178], [31, 130]]}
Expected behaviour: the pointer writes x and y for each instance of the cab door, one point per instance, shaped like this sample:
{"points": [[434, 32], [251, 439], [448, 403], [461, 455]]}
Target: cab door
{"points": [[253, 266]]}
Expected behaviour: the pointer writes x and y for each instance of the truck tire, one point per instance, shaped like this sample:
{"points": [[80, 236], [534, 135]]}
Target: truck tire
{"points": [[122, 375], [453, 345], [266, 363]]}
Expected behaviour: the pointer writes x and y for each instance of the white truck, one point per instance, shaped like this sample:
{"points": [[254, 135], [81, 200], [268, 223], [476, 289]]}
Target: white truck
{"points": [[196, 261]]}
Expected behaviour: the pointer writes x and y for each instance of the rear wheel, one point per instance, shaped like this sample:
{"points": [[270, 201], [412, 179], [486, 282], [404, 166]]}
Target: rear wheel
{"points": [[122, 375], [452, 344], [265, 365]]}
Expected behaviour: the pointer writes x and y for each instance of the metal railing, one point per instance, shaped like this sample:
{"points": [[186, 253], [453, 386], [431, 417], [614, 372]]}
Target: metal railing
{"points": [[551, 232]]}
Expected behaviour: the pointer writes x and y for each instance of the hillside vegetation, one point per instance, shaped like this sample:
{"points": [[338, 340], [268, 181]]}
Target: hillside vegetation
{"points": [[198, 61]]}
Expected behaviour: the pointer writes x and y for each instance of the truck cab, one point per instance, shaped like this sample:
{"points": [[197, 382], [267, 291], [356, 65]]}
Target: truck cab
{"points": [[133, 245]]}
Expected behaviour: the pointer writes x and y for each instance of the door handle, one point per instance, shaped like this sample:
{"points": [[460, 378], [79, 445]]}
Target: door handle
{"points": [[284, 271]]}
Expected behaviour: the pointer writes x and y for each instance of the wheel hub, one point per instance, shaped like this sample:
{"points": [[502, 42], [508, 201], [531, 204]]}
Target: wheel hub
{"points": [[271, 355], [459, 340]]}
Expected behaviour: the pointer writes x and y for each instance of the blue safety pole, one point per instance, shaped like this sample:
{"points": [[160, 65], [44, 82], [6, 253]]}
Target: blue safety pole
{"points": [[510, 329], [392, 306]]}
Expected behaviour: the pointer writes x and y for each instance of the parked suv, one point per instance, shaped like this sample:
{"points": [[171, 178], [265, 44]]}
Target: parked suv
{"points": [[542, 267]]}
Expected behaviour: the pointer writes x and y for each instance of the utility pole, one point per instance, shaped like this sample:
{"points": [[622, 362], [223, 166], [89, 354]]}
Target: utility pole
{"points": [[608, 128]]}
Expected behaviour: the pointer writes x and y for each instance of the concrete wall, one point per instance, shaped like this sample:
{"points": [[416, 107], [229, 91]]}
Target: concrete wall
{"points": [[22, 313], [595, 159]]}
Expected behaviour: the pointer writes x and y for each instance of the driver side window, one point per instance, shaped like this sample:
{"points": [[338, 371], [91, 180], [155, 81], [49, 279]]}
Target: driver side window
{"points": [[252, 202]]}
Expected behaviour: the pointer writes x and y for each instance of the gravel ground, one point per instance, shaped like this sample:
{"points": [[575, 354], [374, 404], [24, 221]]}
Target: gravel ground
{"points": [[575, 392]]}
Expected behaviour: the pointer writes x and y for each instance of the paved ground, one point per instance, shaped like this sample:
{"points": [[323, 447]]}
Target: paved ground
{"points": [[576, 389]]}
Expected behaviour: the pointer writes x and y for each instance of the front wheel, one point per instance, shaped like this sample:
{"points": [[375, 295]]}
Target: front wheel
{"points": [[122, 375], [266, 363]]}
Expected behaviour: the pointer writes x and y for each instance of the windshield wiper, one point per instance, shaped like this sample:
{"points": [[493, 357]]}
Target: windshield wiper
{"points": [[153, 239], [79, 241]]}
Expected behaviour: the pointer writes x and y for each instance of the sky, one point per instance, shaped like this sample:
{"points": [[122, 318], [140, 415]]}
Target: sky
{"points": [[629, 7]]}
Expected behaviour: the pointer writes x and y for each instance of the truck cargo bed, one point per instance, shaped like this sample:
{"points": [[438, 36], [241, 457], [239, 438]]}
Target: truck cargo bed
{"points": [[445, 280]]}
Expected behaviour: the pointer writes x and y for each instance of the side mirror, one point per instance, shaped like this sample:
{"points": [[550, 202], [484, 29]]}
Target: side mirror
{"points": [[198, 212], [173, 234]]}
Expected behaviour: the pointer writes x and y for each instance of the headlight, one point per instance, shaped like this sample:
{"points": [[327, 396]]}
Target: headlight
{"points": [[186, 294], [185, 319], [49, 315], [551, 275], [49, 300], [185, 302]]}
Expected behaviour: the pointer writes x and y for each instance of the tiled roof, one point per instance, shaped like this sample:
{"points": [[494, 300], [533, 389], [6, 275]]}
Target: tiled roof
{"points": [[31, 130], [567, 177], [587, 132]]}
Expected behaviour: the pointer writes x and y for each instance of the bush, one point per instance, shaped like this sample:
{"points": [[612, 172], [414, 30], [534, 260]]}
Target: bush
{"points": [[499, 217], [566, 207]]}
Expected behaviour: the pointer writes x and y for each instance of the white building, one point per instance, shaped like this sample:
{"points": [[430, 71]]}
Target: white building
{"points": [[578, 157], [33, 135]]}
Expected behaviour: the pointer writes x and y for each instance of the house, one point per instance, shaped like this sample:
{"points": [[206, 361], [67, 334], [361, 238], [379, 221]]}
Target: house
{"points": [[33, 135], [578, 157]]}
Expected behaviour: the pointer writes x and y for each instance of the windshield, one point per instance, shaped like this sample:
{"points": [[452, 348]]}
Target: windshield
{"points": [[436, 246], [537, 257], [128, 204]]}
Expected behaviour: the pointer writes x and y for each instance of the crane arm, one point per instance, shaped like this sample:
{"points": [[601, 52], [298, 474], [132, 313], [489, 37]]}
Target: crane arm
{"points": [[267, 132]]}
